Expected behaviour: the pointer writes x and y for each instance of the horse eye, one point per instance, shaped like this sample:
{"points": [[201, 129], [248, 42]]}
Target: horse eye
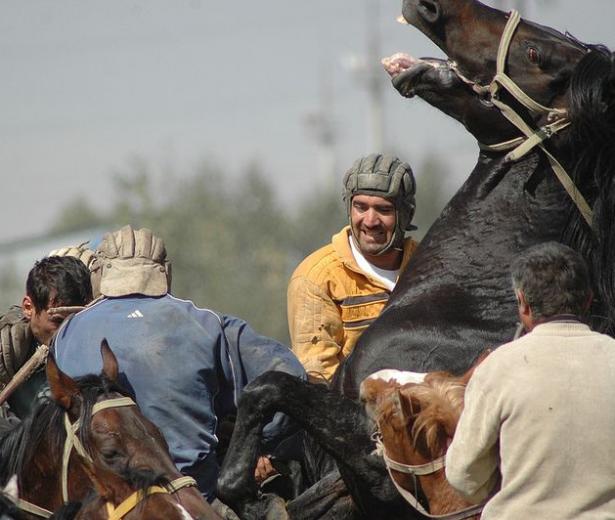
{"points": [[111, 454], [533, 55]]}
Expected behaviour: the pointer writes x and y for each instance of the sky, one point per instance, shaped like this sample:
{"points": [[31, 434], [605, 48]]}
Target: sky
{"points": [[87, 87]]}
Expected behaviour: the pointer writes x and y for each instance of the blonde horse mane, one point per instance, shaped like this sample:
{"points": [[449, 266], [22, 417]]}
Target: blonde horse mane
{"points": [[441, 402], [426, 412]]}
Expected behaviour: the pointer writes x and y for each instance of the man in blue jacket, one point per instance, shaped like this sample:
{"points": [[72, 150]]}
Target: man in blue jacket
{"points": [[185, 365]]}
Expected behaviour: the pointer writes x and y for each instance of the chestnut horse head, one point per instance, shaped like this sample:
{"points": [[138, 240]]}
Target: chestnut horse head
{"points": [[89, 419], [416, 423], [416, 416]]}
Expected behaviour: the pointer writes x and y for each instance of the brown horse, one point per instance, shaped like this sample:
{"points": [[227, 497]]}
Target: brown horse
{"points": [[89, 418], [416, 423]]}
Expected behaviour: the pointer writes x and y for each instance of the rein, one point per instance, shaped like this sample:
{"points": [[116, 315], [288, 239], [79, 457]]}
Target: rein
{"points": [[417, 470], [531, 138], [72, 441]]}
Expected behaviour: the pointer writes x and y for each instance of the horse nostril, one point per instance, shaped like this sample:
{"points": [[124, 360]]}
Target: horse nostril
{"points": [[429, 10]]}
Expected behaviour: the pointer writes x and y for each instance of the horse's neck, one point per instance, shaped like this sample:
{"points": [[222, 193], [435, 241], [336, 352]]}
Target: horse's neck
{"points": [[502, 208]]}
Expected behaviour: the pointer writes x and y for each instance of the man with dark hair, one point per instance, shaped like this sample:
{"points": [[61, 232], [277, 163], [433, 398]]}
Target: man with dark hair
{"points": [[185, 365], [538, 410], [341, 288], [53, 282]]}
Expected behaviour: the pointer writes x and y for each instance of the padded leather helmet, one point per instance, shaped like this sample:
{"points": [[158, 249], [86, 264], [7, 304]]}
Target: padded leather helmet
{"points": [[384, 175], [133, 261]]}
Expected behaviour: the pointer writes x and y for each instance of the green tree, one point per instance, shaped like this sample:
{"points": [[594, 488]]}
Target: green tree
{"points": [[75, 215], [232, 243], [11, 287]]}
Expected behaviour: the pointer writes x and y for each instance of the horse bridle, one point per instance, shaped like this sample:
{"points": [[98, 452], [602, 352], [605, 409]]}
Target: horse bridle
{"points": [[417, 470], [72, 441], [531, 138]]}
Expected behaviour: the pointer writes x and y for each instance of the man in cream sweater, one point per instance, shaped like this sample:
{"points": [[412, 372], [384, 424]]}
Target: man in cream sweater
{"points": [[536, 435]]}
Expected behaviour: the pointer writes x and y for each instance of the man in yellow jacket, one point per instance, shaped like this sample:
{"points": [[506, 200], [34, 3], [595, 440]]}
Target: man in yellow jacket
{"points": [[340, 289]]}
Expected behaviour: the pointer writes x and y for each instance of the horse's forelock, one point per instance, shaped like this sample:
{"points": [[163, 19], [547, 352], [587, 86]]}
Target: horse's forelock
{"points": [[92, 387], [441, 403]]}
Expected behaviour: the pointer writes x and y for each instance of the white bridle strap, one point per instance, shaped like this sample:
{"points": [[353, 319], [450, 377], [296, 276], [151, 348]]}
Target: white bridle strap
{"points": [[417, 470], [531, 138], [31, 508], [457, 515], [72, 441], [506, 81], [414, 469]]}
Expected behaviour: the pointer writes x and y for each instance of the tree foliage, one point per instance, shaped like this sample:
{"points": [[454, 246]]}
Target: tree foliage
{"points": [[232, 243]]}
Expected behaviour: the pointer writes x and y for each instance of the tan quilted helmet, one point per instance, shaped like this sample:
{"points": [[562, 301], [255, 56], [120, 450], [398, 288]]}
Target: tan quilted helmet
{"points": [[133, 262]]}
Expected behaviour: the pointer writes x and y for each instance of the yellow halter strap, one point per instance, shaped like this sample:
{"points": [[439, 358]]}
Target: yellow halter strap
{"points": [[117, 513]]}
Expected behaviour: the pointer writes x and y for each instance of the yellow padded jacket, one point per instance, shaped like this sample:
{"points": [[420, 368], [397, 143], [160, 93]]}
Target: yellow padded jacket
{"points": [[331, 301]]}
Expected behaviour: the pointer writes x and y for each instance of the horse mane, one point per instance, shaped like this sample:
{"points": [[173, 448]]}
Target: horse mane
{"points": [[19, 443], [591, 145], [435, 407], [441, 405]]}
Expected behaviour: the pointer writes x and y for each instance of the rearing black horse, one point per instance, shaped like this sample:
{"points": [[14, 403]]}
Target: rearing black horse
{"points": [[455, 298]]}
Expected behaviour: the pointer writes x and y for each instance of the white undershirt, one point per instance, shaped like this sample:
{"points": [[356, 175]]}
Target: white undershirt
{"points": [[388, 278]]}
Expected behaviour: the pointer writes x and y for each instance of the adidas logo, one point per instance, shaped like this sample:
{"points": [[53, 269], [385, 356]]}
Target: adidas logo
{"points": [[135, 314]]}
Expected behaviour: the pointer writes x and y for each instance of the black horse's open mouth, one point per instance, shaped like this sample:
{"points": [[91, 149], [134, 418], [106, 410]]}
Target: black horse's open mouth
{"points": [[408, 73]]}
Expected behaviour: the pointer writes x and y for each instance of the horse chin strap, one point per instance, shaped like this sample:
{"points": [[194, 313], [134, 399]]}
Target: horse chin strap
{"points": [[417, 470], [520, 146]]}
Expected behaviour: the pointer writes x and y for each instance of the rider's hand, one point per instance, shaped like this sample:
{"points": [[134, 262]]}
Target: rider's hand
{"points": [[264, 469]]}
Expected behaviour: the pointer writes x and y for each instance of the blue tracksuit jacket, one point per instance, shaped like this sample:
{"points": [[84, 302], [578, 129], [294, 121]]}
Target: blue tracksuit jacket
{"points": [[185, 366]]}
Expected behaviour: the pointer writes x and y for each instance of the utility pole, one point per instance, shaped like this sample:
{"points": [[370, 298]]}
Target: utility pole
{"points": [[320, 124], [373, 75], [366, 68]]}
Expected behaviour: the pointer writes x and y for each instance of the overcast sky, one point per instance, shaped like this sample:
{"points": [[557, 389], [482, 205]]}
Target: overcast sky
{"points": [[88, 85]]}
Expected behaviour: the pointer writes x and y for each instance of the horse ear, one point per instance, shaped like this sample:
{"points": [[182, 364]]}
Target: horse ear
{"points": [[403, 402], [409, 404], [110, 367], [63, 388]]}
